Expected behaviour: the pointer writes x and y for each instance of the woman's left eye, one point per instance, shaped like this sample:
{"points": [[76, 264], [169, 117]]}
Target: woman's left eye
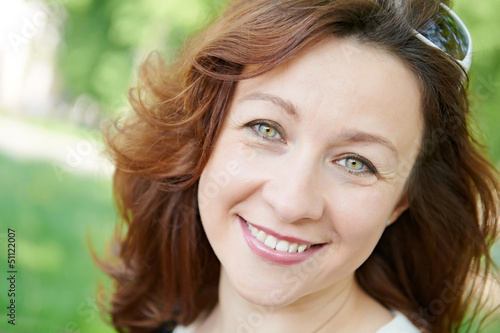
{"points": [[354, 164], [357, 165]]}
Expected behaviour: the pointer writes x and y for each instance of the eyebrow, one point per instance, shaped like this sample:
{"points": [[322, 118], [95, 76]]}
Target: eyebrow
{"points": [[358, 136], [283, 104]]}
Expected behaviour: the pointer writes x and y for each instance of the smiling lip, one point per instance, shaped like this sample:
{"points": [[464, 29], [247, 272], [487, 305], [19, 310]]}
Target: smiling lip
{"points": [[275, 256], [277, 235]]}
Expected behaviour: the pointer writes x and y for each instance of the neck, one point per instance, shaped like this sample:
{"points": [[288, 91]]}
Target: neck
{"points": [[334, 309]]}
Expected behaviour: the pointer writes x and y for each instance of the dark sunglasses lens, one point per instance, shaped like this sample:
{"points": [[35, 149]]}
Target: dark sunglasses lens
{"points": [[446, 33]]}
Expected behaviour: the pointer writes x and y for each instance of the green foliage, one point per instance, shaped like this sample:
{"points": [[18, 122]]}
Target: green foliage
{"points": [[481, 17], [102, 38]]}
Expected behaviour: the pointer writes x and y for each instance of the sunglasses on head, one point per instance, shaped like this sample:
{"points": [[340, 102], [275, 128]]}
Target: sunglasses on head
{"points": [[447, 32]]}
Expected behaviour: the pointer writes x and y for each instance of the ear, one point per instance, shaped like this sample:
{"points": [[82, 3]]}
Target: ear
{"points": [[401, 206]]}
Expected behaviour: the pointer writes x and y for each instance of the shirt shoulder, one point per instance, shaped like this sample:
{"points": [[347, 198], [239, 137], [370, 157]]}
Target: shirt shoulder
{"points": [[400, 324], [191, 328], [185, 329]]}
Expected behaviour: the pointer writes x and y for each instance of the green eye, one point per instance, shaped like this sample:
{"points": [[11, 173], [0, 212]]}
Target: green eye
{"points": [[267, 130], [354, 164], [357, 165]]}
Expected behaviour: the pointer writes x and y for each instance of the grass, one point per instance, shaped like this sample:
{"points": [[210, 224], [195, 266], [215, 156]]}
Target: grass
{"points": [[57, 280]]}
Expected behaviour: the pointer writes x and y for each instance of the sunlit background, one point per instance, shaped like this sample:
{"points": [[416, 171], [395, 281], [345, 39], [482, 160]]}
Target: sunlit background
{"points": [[65, 67]]}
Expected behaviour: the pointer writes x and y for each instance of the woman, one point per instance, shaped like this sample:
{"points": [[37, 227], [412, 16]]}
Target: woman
{"points": [[307, 166]]}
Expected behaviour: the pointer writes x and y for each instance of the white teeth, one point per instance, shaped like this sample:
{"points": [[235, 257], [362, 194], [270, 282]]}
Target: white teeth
{"points": [[271, 241], [274, 243], [253, 230], [302, 248], [282, 246]]}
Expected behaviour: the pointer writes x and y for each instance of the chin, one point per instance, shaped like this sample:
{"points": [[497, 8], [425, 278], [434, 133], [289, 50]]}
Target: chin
{"points": [[275, 299], [267, 294]]}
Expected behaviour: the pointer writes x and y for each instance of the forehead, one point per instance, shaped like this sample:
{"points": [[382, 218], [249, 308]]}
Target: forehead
{"points": [[346, 85]]}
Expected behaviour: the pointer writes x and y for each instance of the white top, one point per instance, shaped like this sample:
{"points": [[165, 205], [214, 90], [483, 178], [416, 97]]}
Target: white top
{"points": [[399, 324]]}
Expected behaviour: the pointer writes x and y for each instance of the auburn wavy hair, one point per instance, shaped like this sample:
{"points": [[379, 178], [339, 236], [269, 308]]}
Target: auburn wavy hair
{"points": [[432, 264]]}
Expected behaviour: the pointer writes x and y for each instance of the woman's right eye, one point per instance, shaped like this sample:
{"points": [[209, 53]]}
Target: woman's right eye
{"points": [[268, 130]]}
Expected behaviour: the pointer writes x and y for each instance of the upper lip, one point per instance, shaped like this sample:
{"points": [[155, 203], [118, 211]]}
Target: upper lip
{"points": [[280, 236]]}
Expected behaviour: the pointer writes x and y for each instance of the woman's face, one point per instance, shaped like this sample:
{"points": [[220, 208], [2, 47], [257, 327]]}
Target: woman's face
{"points": [[309, 167]]}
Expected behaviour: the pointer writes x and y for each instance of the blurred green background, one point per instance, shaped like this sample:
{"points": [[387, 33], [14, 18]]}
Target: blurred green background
{"points": [[65, 67]]}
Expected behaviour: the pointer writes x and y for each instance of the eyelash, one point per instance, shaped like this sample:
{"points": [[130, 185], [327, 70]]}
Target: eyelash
{"points": [[371, 168]]}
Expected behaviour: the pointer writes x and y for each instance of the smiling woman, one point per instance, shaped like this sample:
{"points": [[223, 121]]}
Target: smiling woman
{"points": [[327, 173], [309, 168]]}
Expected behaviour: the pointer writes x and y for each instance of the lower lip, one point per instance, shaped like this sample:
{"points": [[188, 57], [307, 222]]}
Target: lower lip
{"points": [[274, 256]]}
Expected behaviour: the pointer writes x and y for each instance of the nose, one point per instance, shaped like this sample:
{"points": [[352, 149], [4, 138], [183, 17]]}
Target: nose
{"points": [[293, 192]]}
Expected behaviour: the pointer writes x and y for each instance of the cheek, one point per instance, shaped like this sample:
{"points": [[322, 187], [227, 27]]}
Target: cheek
{"points": [[224, 180], [359, 218], [221, 176]]}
